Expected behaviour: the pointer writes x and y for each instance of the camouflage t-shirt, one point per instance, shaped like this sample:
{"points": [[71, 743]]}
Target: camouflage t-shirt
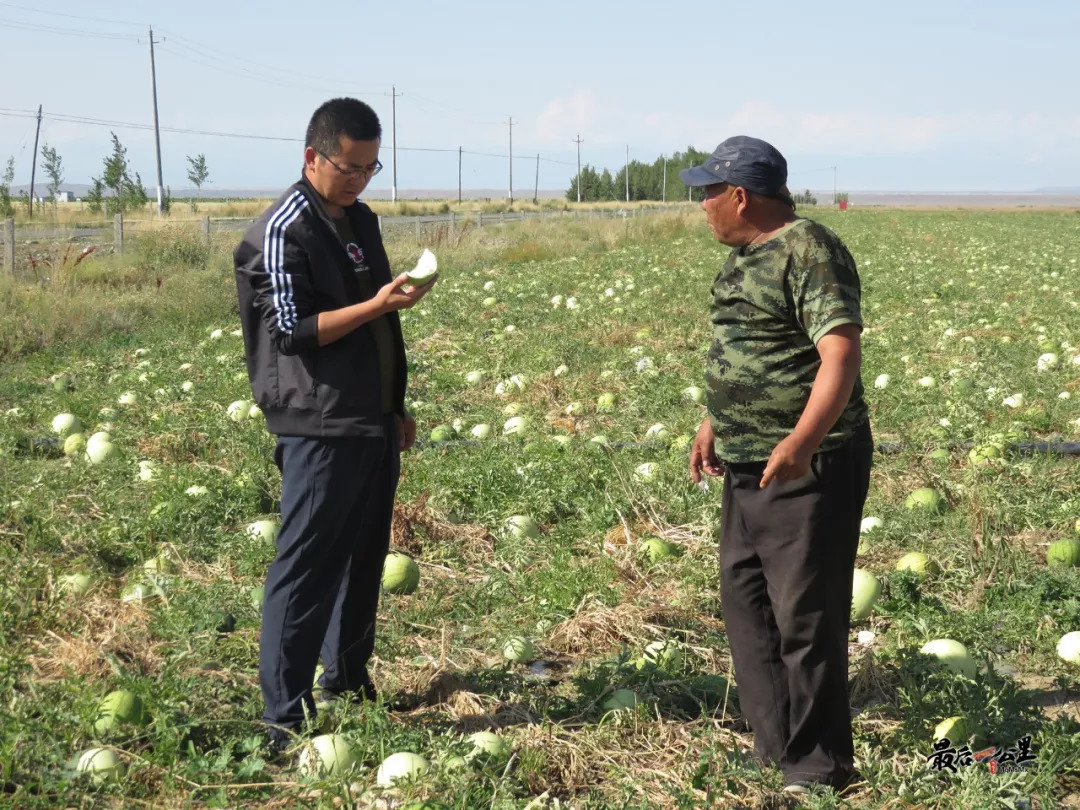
{"points": [[772, 303]]}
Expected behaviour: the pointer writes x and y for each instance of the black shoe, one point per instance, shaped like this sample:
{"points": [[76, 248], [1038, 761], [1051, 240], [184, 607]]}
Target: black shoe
{"points": [[841, 785], [851, 781], [366, 692], [278, 742]]}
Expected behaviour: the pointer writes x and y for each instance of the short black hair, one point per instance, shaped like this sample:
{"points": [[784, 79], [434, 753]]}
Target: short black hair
{"points": [[348, 117]]}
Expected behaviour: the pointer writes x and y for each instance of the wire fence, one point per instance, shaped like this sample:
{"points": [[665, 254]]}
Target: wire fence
{"points": [[18, 243]]}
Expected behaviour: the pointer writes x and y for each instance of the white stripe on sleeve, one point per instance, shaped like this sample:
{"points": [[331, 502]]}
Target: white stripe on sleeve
{"points": [[274, 259]]}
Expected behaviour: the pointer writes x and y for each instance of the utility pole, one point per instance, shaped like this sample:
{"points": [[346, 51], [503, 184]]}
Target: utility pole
{"points": [[578, 142], [511, 160], [157, 129], [834, 185], [626, 172], [459, 175], [393, 137], [33, 166], [665, 180]]}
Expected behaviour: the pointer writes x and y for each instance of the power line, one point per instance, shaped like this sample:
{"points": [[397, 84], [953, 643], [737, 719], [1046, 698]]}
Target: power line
{"points": [[84, 120], [72, 16], [240, 72], [19, 25], [256, 73], [198, 56], [450, 111], [210, 52], [504, 155], [77, 119], [101, 122]]}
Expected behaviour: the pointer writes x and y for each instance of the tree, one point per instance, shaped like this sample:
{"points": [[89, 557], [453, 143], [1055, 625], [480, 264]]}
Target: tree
{"points": [[605, 188], [6, 208], [52, 164], [590, 185], [116, 172], [127, 193], [197, 175], [646, 179], [95, 197], [135, 192]]}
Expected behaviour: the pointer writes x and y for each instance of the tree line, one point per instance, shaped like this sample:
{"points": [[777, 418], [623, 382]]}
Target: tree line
{"points": [[117, 189], [647, 181]]}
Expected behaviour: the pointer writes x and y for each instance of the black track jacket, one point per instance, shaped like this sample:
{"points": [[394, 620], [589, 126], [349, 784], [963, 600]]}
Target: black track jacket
{"points": [[289, 267]]}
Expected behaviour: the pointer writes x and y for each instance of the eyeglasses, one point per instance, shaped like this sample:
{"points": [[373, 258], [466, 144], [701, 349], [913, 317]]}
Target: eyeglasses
{"points": [[364, 171]]}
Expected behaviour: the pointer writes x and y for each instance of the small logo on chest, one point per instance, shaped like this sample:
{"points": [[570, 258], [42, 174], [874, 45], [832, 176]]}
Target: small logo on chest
{"points": [[356, 253]]}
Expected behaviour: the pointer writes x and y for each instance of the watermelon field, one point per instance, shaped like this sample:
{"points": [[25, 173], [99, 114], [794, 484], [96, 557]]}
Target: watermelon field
{"points": [[568, 599]]}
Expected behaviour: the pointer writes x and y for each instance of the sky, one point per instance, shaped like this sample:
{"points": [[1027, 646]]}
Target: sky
{"points": [[950, 95]]}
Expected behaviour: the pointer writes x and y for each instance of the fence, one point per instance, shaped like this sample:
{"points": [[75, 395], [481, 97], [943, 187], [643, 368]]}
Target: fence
{"points": [[111, 236]]}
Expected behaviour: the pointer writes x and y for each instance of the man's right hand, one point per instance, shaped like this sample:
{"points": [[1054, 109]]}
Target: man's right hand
{"points": [[702, 455], [392, 297]]}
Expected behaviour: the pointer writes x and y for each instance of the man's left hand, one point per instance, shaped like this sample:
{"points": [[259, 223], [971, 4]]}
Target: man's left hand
{"points": [[790, 459], [406, 431]]}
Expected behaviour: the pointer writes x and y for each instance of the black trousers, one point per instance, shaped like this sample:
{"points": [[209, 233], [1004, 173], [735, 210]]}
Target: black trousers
{"points": [[322, 589], [787, 554]]}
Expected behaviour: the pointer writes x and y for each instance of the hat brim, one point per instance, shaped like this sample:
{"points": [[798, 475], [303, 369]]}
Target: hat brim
{"points": [[697, 176]]}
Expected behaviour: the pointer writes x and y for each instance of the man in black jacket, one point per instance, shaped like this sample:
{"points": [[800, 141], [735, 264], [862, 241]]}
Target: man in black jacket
{"points": [[326, 361]]}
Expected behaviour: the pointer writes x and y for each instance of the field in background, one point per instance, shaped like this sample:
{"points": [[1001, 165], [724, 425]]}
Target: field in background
{"points": [[72, 214], [959, 308]]}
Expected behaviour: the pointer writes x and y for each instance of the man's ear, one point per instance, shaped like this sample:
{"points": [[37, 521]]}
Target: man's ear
{"points": [[742, 199], [309, 157]]}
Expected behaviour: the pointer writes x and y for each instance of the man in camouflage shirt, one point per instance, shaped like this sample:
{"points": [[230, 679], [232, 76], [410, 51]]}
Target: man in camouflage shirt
{"points": [[788, 429]]}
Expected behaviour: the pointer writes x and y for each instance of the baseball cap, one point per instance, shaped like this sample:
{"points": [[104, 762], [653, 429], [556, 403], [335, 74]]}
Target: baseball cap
{"points": [[742, 161]]}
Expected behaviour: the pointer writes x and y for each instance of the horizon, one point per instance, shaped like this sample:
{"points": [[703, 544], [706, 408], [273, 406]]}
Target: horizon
{"points": [[209, 192], [925, 107]]}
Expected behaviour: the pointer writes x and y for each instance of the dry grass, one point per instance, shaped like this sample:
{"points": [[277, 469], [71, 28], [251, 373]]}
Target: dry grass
{"points": [[651, 757], [164, 277], [103, 635], [409, 517], [67, 215]]}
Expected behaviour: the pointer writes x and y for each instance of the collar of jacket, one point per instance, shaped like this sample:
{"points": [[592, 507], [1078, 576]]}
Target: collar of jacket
{"points": [[318, 205]]}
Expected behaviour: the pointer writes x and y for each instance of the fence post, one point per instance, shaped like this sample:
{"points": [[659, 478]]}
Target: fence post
{"points": [[479, 219], [453, 223], [206, 229], [418, 230], [9, 245], [118, 234]]}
